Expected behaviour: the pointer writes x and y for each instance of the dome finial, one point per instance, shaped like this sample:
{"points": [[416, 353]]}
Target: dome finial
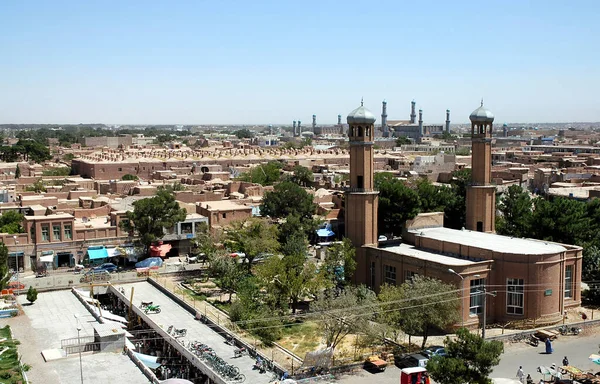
{"points": [[482, 101], [361, 102]]}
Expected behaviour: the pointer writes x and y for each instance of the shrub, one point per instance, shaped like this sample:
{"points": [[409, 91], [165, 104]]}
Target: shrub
{"points": [[32, 294]]}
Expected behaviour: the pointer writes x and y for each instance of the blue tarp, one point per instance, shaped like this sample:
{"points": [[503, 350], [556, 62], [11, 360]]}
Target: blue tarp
{"points": [[149, 361], [324, 232], [97, 253], [150, 262]]}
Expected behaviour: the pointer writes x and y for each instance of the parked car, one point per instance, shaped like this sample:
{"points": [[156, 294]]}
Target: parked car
{"points": [[414, 360], [108, 267], [95, 275], [435, 350]]}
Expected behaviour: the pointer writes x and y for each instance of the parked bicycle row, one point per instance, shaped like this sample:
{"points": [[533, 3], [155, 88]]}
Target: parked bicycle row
{"points": [[210, 357]]}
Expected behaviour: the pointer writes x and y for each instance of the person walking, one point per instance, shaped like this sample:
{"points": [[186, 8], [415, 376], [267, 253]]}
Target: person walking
{"points": [[565, 362], [521, 374]]}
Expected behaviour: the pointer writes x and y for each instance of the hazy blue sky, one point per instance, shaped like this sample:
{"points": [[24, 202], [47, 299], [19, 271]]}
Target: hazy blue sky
{"points": [[230, 62]]}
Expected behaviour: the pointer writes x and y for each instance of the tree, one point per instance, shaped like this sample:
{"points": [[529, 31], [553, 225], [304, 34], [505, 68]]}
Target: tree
{"points": [[455, 212], [515, 213], [252, 237], [4, 276], [561, 220], [277, 203], [32, 294], [470, 360], [10, 222], [340, 313], [37, 187], [227, 272], [397, 203], [34, 150], [204, 244], [129, 177], [387, 315], [301, 176], [151, 216], [244, 133], [427, 304], [263, 174], [17, 172], [340, 262], [402, 140]]}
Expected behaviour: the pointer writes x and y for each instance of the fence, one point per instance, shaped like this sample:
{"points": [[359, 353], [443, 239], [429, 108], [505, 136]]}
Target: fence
{"points": [[81, 344]]}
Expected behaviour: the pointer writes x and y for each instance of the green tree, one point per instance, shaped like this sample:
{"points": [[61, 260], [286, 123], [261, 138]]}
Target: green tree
{"points": [[470, 360], [62, 171], [33, 150], [428, 304], [455, 212], [226, 271], [397, 203], [205, 243], [4, 277], [252, 237], [129, 177], [561, 220], [37, 187], [338, 313], [277, 203], [340, 262], [151, 216], [32, 294], [244, 133], [402, 140], [301, 176], [387, 315], [17, 172], [263, 174], [10, 222], [515, 213]]}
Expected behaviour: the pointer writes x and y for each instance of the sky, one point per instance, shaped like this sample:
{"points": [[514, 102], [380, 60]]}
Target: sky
{"points": [[272, 62]]}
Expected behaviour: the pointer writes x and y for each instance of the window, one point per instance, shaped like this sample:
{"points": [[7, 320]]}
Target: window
{"points": [[56, 232], [390, 274], [45, 233], [480, 226], [372, 274], [32, 232], [514, 296], [569, 281], [476, 302], [224, 215], [120, 169], [408, 275], [68, 233], [360, 184]]}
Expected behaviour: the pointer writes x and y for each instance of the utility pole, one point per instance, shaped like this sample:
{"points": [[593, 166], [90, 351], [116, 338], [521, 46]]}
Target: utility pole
{"points": [[485, 294], [462, 299]]}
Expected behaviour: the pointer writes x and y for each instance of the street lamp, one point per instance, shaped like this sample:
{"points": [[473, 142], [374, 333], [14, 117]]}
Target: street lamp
{"points": [[17, 260], [462, 299], [485, 295], [79, 346]]}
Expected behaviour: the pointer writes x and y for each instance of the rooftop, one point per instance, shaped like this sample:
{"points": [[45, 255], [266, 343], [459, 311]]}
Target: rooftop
{"points": [[412, 251], [223, 205], [491, 241]]}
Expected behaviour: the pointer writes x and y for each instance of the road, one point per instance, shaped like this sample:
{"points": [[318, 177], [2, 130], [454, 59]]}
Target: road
{"points": [[173, 314], [576, 348]]}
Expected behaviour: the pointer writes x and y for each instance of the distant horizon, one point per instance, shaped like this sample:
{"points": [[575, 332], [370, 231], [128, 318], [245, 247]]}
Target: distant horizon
{"points": [[269, 62]]}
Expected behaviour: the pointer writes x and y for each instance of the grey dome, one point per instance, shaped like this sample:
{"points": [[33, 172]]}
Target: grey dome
{"points": [[481, 115], [360, 115]]}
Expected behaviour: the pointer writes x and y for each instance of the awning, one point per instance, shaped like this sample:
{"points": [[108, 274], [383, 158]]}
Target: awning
{"points": [[97, 253], [113, 252], [47, 259], [16, 254], [149, 361], [160, 250]]}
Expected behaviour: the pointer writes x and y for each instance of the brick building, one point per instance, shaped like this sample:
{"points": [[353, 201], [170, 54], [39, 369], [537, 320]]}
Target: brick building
{"points": [[532, 279]]}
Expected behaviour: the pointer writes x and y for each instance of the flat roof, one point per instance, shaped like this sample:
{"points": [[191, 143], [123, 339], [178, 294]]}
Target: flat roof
{"points": [[412, 251], [491, 241], [50, 217], [223, 205]]}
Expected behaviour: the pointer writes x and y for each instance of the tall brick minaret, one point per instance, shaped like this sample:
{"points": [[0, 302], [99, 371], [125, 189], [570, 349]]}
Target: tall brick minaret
{"points": [[361, 198], [481, 194]]}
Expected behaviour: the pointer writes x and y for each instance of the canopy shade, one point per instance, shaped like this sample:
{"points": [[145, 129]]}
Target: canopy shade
{"points": [[99, 253], [47, 259]]}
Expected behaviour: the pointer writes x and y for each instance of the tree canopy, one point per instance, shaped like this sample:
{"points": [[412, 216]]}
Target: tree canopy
{"points": [[278, 203], [252, 237], [397, 203], [263, 174], [10, 222], [4, 277], [150, 217], [340, 262], [301, 176], [244, 133], [470, 360]]}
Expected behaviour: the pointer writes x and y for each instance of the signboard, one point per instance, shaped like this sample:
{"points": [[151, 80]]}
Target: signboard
{"points": [[548, 292]]}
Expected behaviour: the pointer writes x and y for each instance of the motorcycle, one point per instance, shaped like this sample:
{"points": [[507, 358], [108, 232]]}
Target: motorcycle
{"points": [[260, 365], [565, 330], [152, 308], [179, 332], [145, 304], [533, 341], [240, 352]]}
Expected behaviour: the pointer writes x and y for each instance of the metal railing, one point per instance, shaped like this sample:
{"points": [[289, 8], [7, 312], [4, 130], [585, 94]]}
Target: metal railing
{"points": [[84, 343]]}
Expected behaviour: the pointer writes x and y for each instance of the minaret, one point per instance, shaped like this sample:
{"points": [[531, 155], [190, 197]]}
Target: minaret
{"points": [[270, 129], [384, 127], [299, 128], [339, 120], [294, 129], [421, 133], [447, 121], [314, 124], [505, 130], [481, 195], [361, 199], [413, 115]]}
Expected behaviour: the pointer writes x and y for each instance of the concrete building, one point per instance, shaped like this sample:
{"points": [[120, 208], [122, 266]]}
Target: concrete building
{"points": [[532, 279]]}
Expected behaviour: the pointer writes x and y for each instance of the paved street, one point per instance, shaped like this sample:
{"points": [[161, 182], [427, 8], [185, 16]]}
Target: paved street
{"points": [[49, 320], [576, 348], [173, 314]]}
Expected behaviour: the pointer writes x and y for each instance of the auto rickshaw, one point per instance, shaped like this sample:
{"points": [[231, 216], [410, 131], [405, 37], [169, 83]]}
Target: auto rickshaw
{"points": [[414, 375]]}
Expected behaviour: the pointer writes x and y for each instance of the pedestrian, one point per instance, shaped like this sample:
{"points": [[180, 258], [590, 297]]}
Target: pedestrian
{"points": [[521, 374], [529, 380], [565, 362]]}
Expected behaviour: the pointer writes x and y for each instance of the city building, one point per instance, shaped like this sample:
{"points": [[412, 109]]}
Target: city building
{"points": [[529, 279]]}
